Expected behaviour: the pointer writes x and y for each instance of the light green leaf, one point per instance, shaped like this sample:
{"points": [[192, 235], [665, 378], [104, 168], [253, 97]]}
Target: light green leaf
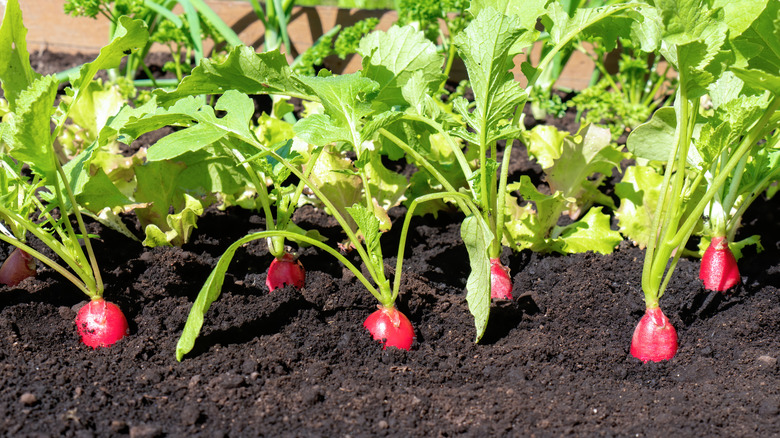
{"points": [[244, 71], [587, 153], [740, 14], [638, 192], [387, 187], [319, 130], [335, 177], [545, 143], [760, 43], [202, 127], [485, 48], [346, 98], [29, 127], [99, 192], [16, 73], [654, 139], [391, 58], [608, 23], [591, 233], [477, 237], [179, 225], [186, 140], [129, 36]]}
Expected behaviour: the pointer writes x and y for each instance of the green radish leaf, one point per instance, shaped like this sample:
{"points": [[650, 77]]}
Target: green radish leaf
{"points": [[202, 127], [608, 23], [244, 71], [477, 237], [208, 294], [178, 143], [485, 47], [654, 139], [694, 35], [740, 14], [319, 130], [758, 46], [392, 58], [368, 224], [129, 36], [16, 73]]}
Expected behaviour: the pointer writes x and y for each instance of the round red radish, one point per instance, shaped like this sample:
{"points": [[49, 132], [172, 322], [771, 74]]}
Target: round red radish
{"points": [[18, 266], [500, 283], [655, 339], [285, 271], [718, 268], [390, 327], [101, 323]]}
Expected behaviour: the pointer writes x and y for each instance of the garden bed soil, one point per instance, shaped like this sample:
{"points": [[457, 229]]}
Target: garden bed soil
{"points": [[554, 361]]}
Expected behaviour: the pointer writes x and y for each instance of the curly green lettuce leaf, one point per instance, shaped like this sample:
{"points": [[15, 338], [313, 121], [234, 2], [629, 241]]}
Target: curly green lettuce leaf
{"points": [[638, 191], [179, 226], [16, 73]]}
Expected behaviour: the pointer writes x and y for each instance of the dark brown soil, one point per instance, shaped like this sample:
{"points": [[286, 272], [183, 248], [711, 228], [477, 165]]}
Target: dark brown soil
{"points": [[554, 362]]}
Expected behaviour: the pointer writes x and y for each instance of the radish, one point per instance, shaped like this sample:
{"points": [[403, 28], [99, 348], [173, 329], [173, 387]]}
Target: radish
{"points": [[18, 266], [390, 327], [500, 283], [101, 323], [285, 271], [719, 269], [655, 339]]}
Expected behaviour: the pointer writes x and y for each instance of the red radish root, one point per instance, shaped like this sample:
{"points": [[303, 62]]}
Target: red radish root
{"points": [[18, 266], [101, 323], [390, 327], [285, 271], [500, 283], [655, 339], [719, 269]]}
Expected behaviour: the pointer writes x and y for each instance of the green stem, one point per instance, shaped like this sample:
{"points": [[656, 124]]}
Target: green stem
{"points": [[329, 205], [422, 161], [456, 150], [405, 230], [747, 143], [50, 263], [500, 201]]}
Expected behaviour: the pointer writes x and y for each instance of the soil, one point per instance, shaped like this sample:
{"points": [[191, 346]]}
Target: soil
{"points": [[554, 361]]}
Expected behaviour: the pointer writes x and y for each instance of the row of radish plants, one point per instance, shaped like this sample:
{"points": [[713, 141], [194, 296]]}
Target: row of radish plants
{"points": [[700, 154]]}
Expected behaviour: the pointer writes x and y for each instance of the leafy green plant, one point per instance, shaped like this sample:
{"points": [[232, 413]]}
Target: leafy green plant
{"points": [[574, 166], [182, 34], [337, 41], [541, 94], [49, 198], [623, 100], [701, 153], [429, 17]]}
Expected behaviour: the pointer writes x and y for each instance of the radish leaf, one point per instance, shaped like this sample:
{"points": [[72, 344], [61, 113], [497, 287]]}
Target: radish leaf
{"points": [[477, 237]]}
